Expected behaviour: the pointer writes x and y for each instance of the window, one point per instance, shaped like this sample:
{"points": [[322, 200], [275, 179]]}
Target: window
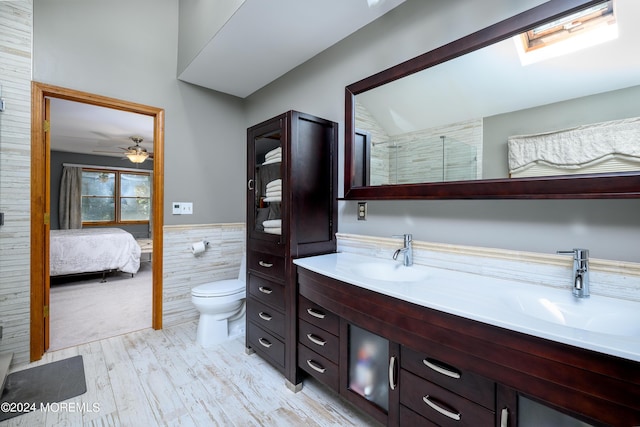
{"points": [[589, 27], [115, 197]]}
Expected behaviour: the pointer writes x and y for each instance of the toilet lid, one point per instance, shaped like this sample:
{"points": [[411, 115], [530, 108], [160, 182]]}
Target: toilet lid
{"points": [[218, 288]]}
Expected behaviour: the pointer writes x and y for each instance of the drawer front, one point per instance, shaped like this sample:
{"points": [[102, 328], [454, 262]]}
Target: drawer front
{"points": [[439, 405], [319, 340], [270, 347], [318, 367], [266, 291], [267, 264], [474, 387], [408, 418], [318, 316], [268, 318]]}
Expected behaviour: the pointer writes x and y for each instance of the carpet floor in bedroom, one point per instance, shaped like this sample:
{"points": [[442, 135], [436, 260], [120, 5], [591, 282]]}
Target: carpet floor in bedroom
{"points": [[83, 310]]}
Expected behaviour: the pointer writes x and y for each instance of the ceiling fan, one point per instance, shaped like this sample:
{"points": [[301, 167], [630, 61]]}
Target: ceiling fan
{"points": [[135, 153]]}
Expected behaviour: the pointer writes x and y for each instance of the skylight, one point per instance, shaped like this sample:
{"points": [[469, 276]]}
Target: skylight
{"points": [[589, 27]]}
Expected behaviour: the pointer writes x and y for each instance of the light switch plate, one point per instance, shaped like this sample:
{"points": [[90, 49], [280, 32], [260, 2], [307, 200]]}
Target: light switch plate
{"points": [[176, 208], [187, 208]]}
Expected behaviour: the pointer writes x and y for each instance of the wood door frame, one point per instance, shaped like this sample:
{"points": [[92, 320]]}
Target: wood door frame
{"points": [[40, 206]]}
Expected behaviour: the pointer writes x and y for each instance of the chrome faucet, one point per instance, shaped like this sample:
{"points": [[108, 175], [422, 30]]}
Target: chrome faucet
{"points": [[580, 272], [407, 250]]}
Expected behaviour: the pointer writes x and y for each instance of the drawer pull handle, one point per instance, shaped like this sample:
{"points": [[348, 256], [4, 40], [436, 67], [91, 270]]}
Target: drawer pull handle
{"points": [[265, 316], [453, 415], [441, 370], [265, 290], [265, 264], [504, 417], [315, 313], [264, 342], [313, 365], [316, 340], [392, 373]]}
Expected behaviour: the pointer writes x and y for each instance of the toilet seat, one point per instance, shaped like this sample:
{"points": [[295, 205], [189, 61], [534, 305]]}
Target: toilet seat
{"points": [[219, 288]]}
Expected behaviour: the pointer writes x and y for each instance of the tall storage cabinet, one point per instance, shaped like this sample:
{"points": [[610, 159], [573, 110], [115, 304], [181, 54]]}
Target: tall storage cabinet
{"points": [[291, 213]]}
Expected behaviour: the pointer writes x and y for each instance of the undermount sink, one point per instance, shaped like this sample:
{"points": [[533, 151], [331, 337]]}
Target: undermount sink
{"points": [[596, 313], [390, 272]]}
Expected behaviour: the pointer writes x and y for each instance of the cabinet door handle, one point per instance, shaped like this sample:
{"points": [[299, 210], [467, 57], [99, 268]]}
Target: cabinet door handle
{"points": [[504, 417], [441, 370], [265, 264], [315, 313], [264, 342], [265, 316], [453, 415], [313, 365], [392, 373], [250, 184], [265, 290], [316, 340]]}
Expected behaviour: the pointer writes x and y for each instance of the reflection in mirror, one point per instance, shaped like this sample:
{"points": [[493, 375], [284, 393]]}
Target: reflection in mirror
{"points": [[464, 119]]}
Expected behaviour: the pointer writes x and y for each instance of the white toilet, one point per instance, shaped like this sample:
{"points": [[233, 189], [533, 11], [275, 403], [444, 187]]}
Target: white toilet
{"points": [[222, 309]]}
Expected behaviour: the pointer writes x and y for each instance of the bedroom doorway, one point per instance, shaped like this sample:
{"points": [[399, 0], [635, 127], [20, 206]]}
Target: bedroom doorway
{"points": [[40, 202]]}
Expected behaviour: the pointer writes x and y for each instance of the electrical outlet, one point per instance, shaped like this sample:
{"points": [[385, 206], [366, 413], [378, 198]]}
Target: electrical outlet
{"points": [[362, 211], [187, 208]]}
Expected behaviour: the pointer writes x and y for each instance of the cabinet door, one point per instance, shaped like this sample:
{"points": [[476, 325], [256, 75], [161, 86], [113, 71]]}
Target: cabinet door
{"points": [[513, 409], [267, 147], [369, 372]]}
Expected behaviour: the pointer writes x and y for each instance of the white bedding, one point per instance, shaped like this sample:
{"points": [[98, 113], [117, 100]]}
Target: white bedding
{"points": [[92, 250]]}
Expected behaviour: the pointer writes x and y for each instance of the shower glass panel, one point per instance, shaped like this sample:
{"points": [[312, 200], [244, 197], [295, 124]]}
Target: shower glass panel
{"points": [[407, 160]]}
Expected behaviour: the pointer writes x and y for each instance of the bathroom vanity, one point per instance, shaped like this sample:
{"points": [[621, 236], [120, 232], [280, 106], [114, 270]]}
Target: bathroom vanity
{"points": [[291, 212], [413, 352]]}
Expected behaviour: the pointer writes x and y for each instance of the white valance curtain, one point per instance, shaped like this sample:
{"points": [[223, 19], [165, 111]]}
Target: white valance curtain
{"points": [[578, 147], [70, 204]]}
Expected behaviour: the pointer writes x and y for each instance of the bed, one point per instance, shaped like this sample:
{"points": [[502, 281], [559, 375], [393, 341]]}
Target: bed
{"points": [[92, 250]]}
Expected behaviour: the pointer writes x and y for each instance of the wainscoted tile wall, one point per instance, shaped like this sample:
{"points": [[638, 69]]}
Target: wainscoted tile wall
{"points": [[183, 270], [615, 279], [16, 19]]}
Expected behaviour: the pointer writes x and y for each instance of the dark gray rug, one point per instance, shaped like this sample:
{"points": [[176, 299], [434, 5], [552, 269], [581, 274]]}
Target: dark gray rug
{"points": [[54, 382]]}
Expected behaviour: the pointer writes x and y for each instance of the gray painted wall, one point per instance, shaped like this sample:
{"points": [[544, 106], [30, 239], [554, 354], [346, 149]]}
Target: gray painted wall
{"points": [[610, 228], [128, 50]]}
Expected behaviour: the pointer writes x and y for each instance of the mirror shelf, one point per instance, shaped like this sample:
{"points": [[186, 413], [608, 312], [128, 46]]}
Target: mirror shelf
{"points": [[362, 180]]}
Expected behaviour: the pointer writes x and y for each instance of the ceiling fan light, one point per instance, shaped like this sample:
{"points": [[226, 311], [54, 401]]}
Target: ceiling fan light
{"points": [[137, 157]]}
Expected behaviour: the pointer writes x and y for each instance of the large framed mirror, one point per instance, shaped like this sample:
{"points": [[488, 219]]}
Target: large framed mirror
{"points": [[487, 116]]}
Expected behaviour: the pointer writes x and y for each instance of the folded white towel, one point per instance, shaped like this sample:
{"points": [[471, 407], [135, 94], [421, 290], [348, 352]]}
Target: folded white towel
{"points": [[276, 160], [273, 193], [273, 230], [274, 183], [275, 151], [273, 156], [272, 223], [272, 199]]}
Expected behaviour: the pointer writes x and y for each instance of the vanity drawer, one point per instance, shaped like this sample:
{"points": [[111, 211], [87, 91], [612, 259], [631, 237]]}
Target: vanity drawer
{"points": [[474, 387], [269, 292], [318, 316], [318, 367], [267, 264], [270, 347], [319, 340], [439, 405], [268, 318]]}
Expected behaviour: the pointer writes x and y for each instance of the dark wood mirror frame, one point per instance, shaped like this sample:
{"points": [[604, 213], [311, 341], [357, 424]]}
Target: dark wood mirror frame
{"points": [[594, 186]]}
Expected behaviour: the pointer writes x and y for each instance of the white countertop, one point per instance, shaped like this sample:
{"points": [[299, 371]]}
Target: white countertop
{"points": [[481, 298]]}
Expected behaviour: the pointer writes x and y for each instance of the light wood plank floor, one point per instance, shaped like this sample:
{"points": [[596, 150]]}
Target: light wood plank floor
{"points": [[164, 378]]}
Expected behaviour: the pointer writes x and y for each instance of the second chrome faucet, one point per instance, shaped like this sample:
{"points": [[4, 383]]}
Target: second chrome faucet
{"points": [[580, 272], [406, 250]]}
